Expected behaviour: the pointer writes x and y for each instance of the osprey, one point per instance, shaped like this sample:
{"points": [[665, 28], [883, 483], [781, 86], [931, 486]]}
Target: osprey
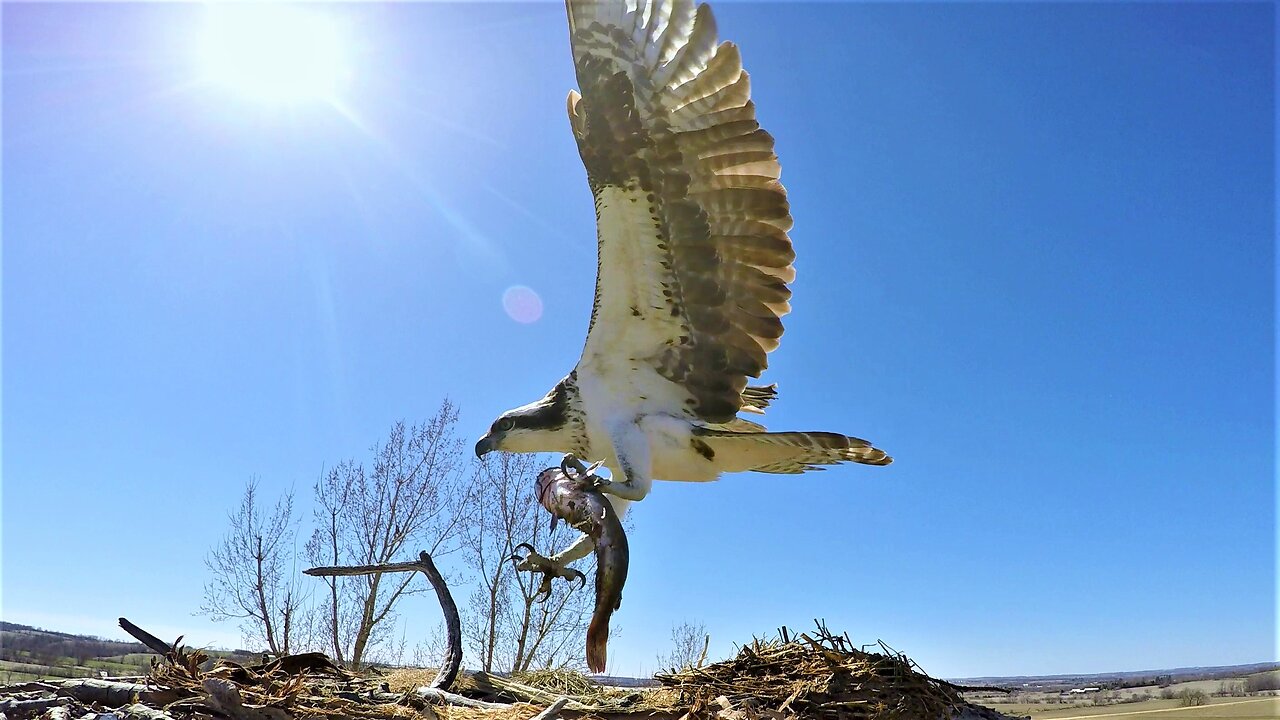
{"points": [[693, 265]]}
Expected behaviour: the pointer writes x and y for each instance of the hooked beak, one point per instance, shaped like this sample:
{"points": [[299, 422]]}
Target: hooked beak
{"points": [[486, 444]]}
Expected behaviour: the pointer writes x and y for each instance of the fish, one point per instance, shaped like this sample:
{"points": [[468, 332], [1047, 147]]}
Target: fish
{"points": [[577, 500]]}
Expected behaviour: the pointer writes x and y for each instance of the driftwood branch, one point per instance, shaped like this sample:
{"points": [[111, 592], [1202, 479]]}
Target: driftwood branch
{"points": [[453, 655]]}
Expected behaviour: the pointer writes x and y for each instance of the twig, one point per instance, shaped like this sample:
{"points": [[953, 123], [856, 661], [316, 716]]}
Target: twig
{"points": [[448, 671]]}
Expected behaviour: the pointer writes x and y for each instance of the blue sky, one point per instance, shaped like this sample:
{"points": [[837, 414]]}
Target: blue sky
{"points": [[1036, 265]]}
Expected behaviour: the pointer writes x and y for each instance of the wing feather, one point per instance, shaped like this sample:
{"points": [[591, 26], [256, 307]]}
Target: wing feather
{"points": [[692, 219]]}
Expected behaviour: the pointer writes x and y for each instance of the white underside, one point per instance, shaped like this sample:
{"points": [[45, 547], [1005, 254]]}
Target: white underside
{"points": [[617, 382]]}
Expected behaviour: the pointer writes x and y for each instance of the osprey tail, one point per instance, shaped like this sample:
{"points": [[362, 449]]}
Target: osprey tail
{"points": [[787, 452]]}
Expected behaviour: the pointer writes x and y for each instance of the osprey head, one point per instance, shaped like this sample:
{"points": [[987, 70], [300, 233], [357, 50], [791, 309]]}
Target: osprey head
{"points": [[536, 427]]}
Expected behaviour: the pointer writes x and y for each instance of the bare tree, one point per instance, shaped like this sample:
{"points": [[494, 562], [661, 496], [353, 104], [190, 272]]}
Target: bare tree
{"points": [[254, 578], [409, 499], [689, 641], [507, 628]]}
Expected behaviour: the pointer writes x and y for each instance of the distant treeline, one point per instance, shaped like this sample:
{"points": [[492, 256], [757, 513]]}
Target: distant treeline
{"points": [[22, 643]]}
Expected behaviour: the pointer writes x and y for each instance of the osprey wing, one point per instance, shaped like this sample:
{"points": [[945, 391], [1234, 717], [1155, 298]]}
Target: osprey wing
{"points": [[692, 223]]}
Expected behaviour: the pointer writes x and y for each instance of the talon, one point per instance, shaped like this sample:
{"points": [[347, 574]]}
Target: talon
{"points": [[571, 461], [535, 562], [544, 590], [573, 469], [517, 557]]}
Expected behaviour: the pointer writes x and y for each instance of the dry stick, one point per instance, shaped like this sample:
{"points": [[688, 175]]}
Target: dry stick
{"points": [[553, 710], [36, 705], [522, 692], [431, 693], [453, 655], [151, 641], [706, 643]]}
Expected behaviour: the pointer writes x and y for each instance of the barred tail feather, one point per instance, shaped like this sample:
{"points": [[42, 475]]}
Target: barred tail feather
{"points": [[788, 452]]}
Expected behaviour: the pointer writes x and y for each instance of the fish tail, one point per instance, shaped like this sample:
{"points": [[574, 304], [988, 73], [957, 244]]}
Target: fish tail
{"points": [[597, 642]]}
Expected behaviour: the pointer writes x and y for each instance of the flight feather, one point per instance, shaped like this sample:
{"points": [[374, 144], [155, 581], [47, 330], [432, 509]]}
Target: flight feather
{"points": [[695, 259]]}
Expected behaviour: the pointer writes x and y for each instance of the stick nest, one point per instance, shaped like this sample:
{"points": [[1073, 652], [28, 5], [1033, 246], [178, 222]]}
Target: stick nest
{"points": [[812, 676]]}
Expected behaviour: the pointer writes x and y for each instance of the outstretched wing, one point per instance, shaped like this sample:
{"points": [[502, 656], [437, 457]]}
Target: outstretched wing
{"points": [[692, 221]]}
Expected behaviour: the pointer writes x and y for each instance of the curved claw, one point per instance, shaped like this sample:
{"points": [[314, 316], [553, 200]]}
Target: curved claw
{"points": [[579, 576], [571, 462], [573, 469], [518, 558], [544, 590]]}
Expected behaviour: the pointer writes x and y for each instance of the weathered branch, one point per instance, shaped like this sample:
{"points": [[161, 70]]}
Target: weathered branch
{"points": [[114, 694], [151, 641], [552, 711], [453, 655], [22, 707], [433, 693]]}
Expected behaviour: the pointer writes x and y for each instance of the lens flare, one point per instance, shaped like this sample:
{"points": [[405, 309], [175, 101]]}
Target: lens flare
{"points": [[522, 304]]}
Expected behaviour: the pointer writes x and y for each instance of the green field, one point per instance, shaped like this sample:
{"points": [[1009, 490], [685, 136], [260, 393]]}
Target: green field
{"points": [[1265, 708]]}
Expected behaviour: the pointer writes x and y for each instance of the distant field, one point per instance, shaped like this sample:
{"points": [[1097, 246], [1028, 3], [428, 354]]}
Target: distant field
{"points": [[1266, 708]]}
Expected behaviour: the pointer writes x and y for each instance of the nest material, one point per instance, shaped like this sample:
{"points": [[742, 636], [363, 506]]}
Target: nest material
{"points": [[821, 676], [561, 681], [304, 685]]}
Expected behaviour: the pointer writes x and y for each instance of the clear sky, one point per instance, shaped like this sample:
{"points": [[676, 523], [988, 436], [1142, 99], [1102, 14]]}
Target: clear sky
{"points": [[1036, 265]]}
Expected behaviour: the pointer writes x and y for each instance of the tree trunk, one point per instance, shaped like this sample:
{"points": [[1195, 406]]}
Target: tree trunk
{"points": [[259, 582], [521, 662], [366, 622]]}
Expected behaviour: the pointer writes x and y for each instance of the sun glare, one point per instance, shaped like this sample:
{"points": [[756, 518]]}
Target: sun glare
{"points": [[273, 53]]}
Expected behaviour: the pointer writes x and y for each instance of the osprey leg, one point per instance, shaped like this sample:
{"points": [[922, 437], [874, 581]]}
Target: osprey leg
{"points": [[550, 569], [631, 447]]}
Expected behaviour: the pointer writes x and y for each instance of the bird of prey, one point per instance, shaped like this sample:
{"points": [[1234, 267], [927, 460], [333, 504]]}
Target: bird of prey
{"points": [[693, 267]]}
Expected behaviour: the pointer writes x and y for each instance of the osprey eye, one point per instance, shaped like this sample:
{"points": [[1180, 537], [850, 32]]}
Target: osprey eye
{"points": [[506, 424]]}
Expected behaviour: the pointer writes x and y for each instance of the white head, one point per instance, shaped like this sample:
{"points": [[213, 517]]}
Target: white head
{"points": [[540, 426]]}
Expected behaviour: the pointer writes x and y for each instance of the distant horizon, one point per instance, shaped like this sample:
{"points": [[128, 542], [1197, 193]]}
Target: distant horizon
{"points": [[1264, 665]]}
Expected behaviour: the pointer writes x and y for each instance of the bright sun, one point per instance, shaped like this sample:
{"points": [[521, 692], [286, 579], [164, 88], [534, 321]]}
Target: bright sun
{"points": [[273, 53]]}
